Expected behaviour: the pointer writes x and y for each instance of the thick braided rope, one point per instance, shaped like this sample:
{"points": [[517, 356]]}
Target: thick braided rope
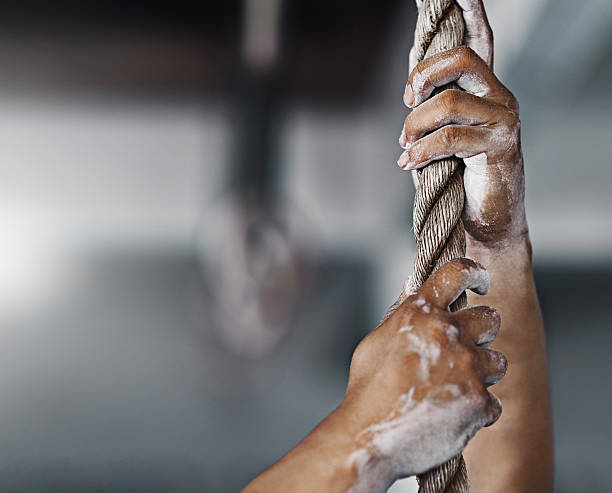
{"points": [[438, 206]]}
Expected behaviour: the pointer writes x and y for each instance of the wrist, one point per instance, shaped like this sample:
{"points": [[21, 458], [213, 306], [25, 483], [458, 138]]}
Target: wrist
{"points": [[509, 266], [513, 240], [517, 245], [498, 220], [335, 444], [369, 471]]}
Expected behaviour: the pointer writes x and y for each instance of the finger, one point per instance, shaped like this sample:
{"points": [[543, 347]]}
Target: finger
{"points": [[478, 32], [446, 284], [452, 140], [449, 107], [493, 410], [462, 66], [479, 324], [492, 365]]}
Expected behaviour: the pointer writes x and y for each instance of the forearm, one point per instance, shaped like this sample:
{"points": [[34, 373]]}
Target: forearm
{"points": [[516, 453], [320, 462]]}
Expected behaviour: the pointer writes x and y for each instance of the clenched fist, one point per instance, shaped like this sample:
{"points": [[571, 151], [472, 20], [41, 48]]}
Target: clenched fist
{"points": [[479, 124], [418, 383]]}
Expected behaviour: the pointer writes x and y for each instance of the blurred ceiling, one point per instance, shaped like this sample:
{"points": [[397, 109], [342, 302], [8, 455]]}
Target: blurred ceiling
{"points": [[327, 48]]}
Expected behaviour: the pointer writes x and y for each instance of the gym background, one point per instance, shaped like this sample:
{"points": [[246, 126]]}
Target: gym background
{"points": [[201, 216]]}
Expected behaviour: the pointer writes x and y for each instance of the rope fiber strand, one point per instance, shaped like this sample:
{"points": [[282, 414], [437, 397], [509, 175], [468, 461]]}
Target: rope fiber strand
{"points": [[438, 205]]}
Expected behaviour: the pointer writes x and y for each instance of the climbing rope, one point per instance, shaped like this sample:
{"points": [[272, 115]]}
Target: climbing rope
{"points": [[438, 205]]}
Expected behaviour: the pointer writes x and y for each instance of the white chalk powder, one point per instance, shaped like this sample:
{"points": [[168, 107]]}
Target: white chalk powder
{"points": [[429, 353], [409, 441]]}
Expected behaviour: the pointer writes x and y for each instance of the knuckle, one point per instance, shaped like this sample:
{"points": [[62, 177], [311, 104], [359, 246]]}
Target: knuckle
{"points": [[417, 76], [511, 134], [492, 319], [409, 130], [466, 55], [514, 105], [462, 262], [406, 129], [459, 265], [493, 410], [511, 102], [450, 100], [495, 317], [414, 153], [451, 272], [488, 314], [480, 399], [512, 120], [449, 136], [500, 362], [420, 69]]}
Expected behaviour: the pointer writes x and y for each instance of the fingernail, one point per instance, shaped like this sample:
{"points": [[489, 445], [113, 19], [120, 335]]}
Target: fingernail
{"points": [[404, 160], [402, 138], [408, 96]]}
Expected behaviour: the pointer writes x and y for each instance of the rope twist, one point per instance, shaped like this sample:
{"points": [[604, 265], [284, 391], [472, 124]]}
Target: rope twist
{"points": [[438, 206]]}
